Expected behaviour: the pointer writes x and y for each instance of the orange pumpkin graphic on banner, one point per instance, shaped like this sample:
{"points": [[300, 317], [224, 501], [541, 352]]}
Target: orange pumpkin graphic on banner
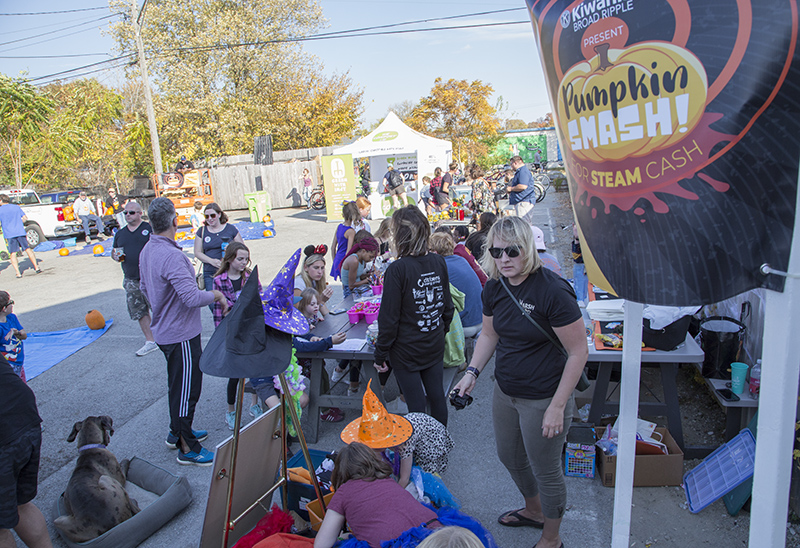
{"points": [[631, 101]]}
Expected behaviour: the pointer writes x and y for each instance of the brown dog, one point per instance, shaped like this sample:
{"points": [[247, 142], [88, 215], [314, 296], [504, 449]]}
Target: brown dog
{"points": [[95, 498]]}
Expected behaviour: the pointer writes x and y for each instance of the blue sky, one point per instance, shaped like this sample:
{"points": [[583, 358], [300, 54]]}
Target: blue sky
{"points": [[390, 69]]}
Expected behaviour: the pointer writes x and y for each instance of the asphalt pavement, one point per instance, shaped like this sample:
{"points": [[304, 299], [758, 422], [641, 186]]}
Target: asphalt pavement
{"points": [[106, 378]]}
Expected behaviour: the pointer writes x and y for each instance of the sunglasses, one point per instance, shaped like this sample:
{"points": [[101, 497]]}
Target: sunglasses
{"points": [[130, 212], [497, 252], [9, 303], [211, 215]]}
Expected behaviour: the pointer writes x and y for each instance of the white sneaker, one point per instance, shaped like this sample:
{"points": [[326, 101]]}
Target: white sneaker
{"points": [[149, 346], [337, 375], [230, 419]]}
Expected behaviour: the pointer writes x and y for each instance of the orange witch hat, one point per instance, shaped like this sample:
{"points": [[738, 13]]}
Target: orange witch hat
{"points": [[376, 427]]}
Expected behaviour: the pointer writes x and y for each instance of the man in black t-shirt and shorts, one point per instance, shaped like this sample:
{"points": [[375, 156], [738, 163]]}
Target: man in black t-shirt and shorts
{"points": [[395, 186], [20, 446], [128, 244]]}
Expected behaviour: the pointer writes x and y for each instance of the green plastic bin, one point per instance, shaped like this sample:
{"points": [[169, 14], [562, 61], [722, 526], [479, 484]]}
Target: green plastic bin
{"points": [[259, 204]]}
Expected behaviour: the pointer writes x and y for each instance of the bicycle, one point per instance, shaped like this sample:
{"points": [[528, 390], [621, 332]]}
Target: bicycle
{"points": [[317, 200]]}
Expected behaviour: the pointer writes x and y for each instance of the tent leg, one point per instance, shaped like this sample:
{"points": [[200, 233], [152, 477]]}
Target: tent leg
{"points": [[628, 413]]}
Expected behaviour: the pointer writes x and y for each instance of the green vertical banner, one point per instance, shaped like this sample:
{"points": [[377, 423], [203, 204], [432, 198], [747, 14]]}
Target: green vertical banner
{"points": [[340, 183]]}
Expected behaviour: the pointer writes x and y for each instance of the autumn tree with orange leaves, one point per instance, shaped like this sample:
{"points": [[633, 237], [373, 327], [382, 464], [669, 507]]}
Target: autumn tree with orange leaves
{"points": [[460, 112]]}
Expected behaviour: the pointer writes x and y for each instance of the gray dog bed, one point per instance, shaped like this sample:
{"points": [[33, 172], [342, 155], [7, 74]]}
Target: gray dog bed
{"points": [[165, 495]]}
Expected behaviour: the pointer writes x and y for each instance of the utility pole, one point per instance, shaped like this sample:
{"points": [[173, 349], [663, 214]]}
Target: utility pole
{"points": [[148, 96]]}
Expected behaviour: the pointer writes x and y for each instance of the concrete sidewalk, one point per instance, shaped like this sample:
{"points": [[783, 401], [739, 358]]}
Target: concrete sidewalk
{"points": [[106, 378]]}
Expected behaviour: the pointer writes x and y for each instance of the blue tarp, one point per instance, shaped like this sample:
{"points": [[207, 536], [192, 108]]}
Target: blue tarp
{"points": [[44, 350]]}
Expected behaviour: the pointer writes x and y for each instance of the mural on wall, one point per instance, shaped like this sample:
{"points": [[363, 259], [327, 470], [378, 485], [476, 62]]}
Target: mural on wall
{"points": [[524, 146], [679, 125]]}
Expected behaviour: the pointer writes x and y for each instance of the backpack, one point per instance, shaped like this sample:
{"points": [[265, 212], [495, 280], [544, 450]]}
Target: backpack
{"points": [[396, 179]]}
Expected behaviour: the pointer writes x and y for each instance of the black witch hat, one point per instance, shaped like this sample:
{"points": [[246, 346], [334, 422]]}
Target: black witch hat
{"points": [[243, 346]]}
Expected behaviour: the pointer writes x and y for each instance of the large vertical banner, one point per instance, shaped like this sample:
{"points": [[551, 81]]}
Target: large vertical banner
{"points": [[679, 124], [340, 184]]}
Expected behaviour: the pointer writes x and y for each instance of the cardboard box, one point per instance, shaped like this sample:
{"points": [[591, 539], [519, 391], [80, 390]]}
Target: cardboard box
{"points": [[650, 470]]}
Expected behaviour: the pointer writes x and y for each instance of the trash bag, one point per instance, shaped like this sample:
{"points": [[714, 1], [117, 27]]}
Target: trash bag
{"points": [[721, 339]]}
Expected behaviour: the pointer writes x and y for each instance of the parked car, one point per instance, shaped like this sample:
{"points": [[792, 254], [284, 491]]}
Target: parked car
{"points": [[46, 220], [60, 197]]}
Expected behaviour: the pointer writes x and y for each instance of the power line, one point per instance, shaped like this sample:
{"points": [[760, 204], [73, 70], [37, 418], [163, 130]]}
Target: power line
{"points": [[48, 33], [330, 37], [86, 73], [38, 27], [51, 56], [48, 76], [53, 12], [46, 40], [324, 36], [449, 17]]}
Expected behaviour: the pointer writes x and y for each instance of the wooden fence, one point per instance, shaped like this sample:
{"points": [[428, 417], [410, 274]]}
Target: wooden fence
{"points": [[284, 182]]}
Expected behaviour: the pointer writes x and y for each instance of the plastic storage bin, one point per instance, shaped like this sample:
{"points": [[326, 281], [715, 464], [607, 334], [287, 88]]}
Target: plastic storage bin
{"points": [[724, 469], [300, 494], [258, 203]]}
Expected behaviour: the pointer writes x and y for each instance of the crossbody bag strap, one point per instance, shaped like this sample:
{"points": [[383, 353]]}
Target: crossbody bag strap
{"points": [[534, 322]]}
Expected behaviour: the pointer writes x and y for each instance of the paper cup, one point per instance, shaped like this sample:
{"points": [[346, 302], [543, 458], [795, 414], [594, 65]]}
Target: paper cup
{"points": [[738, 374]]}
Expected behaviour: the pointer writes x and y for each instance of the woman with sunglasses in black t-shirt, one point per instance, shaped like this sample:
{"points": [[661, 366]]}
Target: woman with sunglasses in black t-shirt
{"points": [[536, 369]]}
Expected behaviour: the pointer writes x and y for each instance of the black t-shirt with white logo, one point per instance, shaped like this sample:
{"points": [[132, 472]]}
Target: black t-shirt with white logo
{"points": [[133, 241], [527, 364], [415, 314]]}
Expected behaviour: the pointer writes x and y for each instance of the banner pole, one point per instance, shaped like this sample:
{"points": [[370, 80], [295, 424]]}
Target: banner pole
{"points": [[628, 415], [777, 406]]}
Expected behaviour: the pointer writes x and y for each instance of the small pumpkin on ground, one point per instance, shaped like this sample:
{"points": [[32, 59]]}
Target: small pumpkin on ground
{"points": [[95, 320]]}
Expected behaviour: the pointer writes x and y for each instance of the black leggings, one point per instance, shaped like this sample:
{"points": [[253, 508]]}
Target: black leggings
{"points": [[411, 384], [233, 384]]}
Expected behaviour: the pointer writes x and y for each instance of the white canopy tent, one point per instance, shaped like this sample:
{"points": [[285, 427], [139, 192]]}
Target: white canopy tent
{"points": [[408, 150]]}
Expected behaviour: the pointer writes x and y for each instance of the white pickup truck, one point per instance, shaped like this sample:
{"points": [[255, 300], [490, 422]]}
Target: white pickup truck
{"points": [[44, 220]]}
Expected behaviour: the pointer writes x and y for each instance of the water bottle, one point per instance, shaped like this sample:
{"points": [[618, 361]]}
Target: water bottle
{"points": [[755, 379]]}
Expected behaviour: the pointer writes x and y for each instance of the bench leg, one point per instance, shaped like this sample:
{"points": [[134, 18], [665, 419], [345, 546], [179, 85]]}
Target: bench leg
{"points": [[668, 373], [313, 399]]}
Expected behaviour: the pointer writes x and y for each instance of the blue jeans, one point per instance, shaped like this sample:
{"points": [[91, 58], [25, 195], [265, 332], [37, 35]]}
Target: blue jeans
{"points": [[581, 281], [85, 222]]}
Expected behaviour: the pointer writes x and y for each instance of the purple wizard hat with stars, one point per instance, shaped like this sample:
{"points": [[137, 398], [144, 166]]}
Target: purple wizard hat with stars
{"points": [[277, 300]]}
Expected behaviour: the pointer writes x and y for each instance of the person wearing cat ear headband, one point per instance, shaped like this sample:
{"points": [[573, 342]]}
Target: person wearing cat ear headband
{"points": [[312, 274]]}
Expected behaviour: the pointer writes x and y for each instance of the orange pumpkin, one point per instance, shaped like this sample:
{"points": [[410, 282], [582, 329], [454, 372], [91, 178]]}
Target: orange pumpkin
{"points": [[98, 249], [63, 251], [268, 233], [266, 218], [95, 320]]}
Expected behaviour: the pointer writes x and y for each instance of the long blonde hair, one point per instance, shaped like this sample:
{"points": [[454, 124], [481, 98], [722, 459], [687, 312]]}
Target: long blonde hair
{"points": [[513, 231], [312, 257]]}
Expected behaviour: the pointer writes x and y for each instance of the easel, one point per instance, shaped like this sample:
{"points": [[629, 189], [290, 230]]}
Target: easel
{"points": [[230, 521]]}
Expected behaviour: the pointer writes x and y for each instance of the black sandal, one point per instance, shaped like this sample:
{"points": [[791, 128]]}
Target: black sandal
{"points": [[519, 520]]}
